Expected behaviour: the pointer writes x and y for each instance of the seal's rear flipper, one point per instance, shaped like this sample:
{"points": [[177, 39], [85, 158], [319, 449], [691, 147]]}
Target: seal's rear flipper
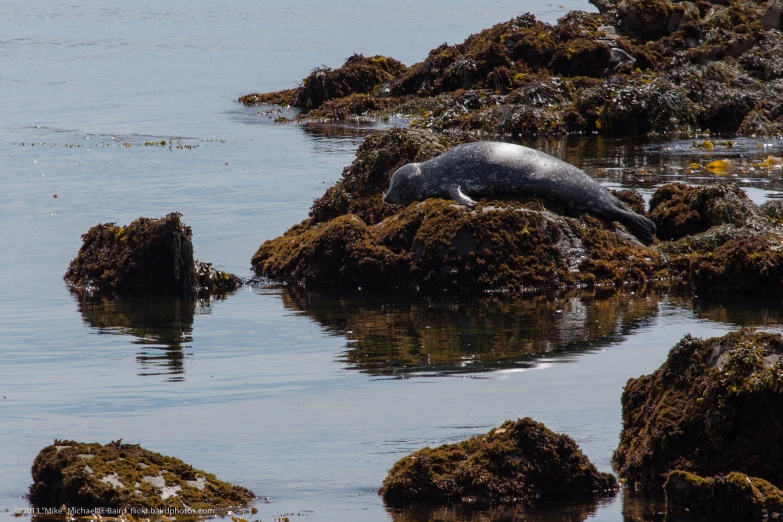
{"points": [[643, 228], [456, 194]]}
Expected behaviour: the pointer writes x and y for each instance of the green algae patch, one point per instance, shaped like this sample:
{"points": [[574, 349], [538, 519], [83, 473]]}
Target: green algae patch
{"points": [[117, 475], [521, 462], [710, 409], [735, 496], [148, 256], [645, 67]]}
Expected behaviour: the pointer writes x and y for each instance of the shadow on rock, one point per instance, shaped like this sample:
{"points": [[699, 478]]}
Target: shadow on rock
{"points": [[398, 337]]}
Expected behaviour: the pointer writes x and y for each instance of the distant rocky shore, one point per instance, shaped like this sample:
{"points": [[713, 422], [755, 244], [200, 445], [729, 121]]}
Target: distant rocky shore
{"points": [[645, 67]]}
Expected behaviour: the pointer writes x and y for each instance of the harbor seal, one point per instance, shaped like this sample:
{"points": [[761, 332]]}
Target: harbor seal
{"points": [[488, 168]]}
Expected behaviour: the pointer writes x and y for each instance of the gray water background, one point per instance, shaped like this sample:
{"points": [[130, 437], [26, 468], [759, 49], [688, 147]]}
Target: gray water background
{"points": [[253, 389]]}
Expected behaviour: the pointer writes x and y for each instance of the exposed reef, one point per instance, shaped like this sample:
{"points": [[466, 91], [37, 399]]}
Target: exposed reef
{"points": [[117, 475], [521, 462], [146, 257], [647, 67], [714, 237], [711, 409]]}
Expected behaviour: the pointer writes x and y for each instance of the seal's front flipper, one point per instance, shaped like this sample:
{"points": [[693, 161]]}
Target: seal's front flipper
{"points": [[456, 194]]}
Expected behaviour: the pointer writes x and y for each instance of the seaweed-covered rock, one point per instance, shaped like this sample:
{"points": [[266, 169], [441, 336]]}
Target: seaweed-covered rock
{"points": [[639, 67], [680, 210], [735, 496], [710, 409], [650, 19], [355, 240], [149, 256], [521, 462], [118, 475], [358, 75]]}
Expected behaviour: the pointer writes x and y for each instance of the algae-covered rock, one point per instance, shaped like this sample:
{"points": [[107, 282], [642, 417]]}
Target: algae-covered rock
{"points": [[735, 496], [680, 210], [117, 475], [149, 256], [521, 462], [358, 75], [710, 409], [651, 67], [354, 240]]}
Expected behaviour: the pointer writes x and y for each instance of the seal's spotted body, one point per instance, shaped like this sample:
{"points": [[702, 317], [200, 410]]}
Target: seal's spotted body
{"points": [[495, 169]]}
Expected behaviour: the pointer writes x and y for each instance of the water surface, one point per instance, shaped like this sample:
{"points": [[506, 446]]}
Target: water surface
{"points": [[306, 399]]}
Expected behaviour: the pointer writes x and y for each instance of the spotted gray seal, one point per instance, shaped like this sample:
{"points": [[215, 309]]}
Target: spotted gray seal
{"points": [[488, 168]]}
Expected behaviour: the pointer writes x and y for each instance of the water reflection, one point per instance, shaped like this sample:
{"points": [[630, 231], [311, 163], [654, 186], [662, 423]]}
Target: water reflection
{"points": [[736, 310], [390, 337], [161, 326], [646, 164], [561, 512]]}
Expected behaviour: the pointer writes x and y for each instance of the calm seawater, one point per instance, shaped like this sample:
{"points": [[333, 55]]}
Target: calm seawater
{"points": [[307, 400]]}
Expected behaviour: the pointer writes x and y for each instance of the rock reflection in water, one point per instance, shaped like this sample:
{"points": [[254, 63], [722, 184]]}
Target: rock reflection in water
{"points": [[397, 338], [163, 326], [738, 310], [562, 512]]}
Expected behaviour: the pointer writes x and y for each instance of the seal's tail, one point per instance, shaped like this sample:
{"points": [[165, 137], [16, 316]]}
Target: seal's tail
{"points": [[643, 228]]}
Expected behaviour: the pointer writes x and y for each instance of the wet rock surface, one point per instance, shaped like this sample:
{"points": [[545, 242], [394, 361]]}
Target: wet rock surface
{"points": [[647, 67], [117, 475], [735, 496], [148, 256], [521, 462], [711, 409]]}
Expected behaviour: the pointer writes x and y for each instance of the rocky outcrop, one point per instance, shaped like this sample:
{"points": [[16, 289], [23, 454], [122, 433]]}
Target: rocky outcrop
{"points": [[711, 409], [125, 476], [639, 67], [148, 256], [520, 462]]}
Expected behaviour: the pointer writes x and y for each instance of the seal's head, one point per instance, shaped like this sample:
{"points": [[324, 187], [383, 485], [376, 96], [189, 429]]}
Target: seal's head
{"points": [[404, 185]]}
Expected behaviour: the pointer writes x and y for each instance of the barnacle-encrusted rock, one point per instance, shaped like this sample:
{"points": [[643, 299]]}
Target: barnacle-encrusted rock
{"points": [[149, 256], [117, 475], [734, 496], [710, 409], [521, 462]]}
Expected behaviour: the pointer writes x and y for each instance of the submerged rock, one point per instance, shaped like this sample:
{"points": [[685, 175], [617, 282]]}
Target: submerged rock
{"points": [[640, 67], [710, 409], [149, 256], [735, 496], [521, 462], [117, 475]]}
